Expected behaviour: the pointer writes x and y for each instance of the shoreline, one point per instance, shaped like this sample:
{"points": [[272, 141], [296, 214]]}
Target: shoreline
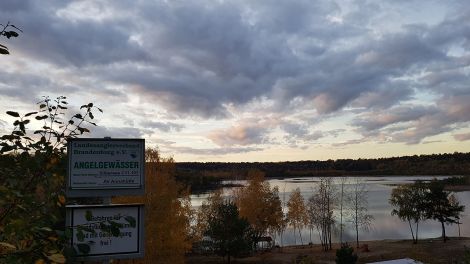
{"points": [[430, 250]]}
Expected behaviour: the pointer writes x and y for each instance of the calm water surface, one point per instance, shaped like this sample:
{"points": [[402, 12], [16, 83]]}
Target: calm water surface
{"points": [[384, 225]]}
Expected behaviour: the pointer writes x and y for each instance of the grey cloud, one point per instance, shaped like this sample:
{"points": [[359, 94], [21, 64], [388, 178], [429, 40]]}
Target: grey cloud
{"points": [[300, 133], [384, 97], [162, 126], [350, 142], [194, 59], [214, 151], [24, 86], [420, 122], [211, 55], [116, 132], [462, 137], [244, 134], [57, 40], [377, 120]]}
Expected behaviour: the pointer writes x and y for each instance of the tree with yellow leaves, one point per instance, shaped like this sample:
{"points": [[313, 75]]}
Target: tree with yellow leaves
{"points": [[167, 212], [260, 205], [297, 212], [204, 213]]}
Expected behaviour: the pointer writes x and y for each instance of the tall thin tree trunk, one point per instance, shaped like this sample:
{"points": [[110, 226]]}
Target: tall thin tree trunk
{"points": [[301, 241], [411, 228], [295, 241], [329, 234], [357, 223], [341, 213], [357, 236], [417, 228], [443, 231], [311, 242]]}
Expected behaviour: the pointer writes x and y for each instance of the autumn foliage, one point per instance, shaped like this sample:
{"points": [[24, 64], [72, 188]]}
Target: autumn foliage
{"points": [[167, 212], [260, 205]]}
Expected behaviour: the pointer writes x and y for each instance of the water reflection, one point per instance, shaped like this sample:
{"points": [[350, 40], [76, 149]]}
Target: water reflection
{"points": [[384, 225]]}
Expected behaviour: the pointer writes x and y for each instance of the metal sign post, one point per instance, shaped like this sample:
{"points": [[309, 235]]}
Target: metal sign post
{"points": [[104, 168], [103, 245]]}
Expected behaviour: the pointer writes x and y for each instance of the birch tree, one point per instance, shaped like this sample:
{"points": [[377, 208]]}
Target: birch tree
{"points": [[358, 208], [343, 183], [297, 212], [320, 211]]}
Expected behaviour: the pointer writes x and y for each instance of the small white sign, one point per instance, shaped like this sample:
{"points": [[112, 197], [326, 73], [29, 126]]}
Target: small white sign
{"points": [[101, 243], [99, 164]]}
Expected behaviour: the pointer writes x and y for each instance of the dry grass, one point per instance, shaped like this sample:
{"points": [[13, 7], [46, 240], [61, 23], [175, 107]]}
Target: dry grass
{"points": [[427, 251]]}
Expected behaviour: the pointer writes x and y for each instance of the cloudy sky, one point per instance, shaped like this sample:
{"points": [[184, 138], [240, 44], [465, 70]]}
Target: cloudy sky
{"points": [[251, 80]]}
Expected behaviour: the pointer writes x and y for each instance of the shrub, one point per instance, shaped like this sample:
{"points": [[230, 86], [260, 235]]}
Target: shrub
{"points": [[345, 255]]}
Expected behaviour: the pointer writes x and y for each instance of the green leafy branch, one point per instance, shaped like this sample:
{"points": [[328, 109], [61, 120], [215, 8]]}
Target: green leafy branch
{"points": [[8, 33], [54, 131]]}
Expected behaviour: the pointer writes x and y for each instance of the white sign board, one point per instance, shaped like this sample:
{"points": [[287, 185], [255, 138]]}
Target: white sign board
{"points": [[105, 164], [102, 244]]}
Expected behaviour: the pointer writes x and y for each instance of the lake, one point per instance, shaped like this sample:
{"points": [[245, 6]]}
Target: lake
{"points": [[384, 225]]}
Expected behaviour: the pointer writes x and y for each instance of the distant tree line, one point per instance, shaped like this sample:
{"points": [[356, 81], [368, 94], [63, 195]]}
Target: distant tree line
{"points": [[434, 164]]}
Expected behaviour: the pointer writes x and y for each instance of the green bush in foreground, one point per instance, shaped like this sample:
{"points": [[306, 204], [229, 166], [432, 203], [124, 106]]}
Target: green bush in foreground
{"points": [[32, 169], [345, 255]]}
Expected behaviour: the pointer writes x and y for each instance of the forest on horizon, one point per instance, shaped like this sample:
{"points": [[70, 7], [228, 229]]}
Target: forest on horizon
{"points": [[433, 164]]}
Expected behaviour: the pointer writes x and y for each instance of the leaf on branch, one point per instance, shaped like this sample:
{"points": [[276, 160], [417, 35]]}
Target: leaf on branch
{"points": [[41, 117], [42, 106], [19, 133], [80, 235], [99, 109], [4, 50], [83, 129], [58, 258], [13, 34], [31, 113], [79, 116], [88, 216], [61, 107], [130, 220], [15, 114], [115, 230], [91, 115], [84, 248]]}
